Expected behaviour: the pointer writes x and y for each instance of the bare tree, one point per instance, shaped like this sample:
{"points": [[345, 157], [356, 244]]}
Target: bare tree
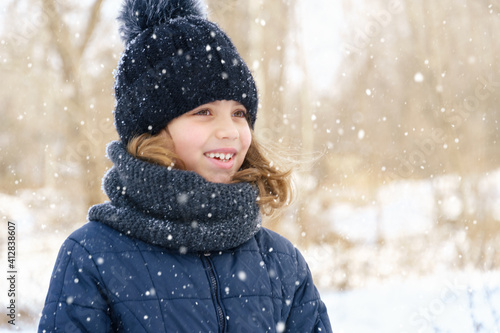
{"points": [[71, 54]]}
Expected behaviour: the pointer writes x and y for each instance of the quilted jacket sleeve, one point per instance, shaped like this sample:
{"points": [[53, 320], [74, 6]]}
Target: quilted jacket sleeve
{"points": [[308, 313], [74, 302]]}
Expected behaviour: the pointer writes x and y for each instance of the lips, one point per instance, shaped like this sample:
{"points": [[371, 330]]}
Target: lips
{"points": [[220, 156]]}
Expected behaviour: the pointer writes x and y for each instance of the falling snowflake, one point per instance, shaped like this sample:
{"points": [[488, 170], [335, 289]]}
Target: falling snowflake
{"points": [[182, 198], [242, 275], [419, 77]]}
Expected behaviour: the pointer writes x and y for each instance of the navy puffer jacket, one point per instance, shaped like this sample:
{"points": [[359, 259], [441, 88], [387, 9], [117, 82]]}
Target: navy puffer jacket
{"points": [[105, 281]]}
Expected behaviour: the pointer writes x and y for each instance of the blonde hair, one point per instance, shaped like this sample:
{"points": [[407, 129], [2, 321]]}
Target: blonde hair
{"points": [[269, 175]]}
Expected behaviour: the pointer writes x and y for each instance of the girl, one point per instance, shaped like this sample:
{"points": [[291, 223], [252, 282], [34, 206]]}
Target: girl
{"points": [[180, 247]]}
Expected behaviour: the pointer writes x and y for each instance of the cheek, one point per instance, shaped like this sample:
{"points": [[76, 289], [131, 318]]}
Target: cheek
{"points": [[177, 129], [246, 138], [184, 147], [184, 151]]}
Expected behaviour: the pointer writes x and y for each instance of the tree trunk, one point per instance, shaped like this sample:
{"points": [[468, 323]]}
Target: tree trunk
{"points": [[81, 149]]}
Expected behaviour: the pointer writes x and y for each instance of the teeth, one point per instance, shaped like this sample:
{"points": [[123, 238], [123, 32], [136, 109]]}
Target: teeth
{"points": [[222, 156]]}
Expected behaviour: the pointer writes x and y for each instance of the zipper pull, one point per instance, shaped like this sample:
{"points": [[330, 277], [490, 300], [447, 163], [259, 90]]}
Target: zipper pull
{"points": [[207, 254]]}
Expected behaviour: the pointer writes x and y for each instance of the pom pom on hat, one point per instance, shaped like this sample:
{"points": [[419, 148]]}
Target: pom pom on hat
{"points": [[174, 61], [139, 15]]}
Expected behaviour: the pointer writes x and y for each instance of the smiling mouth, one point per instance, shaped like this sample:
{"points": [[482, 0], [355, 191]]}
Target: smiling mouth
{"points": [[220, 156]]}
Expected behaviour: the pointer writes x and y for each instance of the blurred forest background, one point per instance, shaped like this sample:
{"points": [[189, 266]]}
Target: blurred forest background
{"points": [[393, 104]]}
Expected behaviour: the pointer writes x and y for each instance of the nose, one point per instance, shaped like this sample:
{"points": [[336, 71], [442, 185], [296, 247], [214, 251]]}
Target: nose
{"points": [[226, 129]]}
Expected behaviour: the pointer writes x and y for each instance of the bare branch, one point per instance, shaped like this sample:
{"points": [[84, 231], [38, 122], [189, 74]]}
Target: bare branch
{"points": [[60, 35], [95, 14]]}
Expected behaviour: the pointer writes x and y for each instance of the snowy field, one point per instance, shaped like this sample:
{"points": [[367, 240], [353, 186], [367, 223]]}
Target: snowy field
{"points": [[455, 303]]}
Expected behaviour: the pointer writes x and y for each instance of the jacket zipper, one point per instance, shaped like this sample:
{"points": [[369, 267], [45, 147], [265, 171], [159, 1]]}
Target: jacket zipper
{"points": [[215, 289]]}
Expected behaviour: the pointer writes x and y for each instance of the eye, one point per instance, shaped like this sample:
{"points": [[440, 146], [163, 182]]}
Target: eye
{"points": [[240, 114], [203, 112]]}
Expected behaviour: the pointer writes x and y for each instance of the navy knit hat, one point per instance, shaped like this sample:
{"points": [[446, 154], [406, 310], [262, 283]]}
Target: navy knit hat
{"points": [[174, 61]]}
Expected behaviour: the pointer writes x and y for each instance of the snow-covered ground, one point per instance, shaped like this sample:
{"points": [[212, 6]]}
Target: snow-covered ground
{"points": [[412, 207], [457, 303]]}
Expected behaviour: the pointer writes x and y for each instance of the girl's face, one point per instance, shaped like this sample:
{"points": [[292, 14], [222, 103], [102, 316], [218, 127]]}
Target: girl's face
{"points": [[212, 139]]}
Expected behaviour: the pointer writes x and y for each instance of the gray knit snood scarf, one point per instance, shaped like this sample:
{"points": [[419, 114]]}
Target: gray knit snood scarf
{"points": [[175, 209]]}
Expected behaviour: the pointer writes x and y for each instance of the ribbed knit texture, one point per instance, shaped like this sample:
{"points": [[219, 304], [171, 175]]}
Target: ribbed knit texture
{"points": [[173, 66], [175, 209]]}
